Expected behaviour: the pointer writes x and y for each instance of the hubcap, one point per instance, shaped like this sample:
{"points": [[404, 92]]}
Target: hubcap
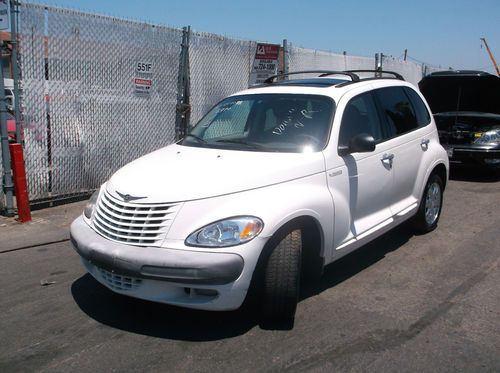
{"points": [[432, 203]]}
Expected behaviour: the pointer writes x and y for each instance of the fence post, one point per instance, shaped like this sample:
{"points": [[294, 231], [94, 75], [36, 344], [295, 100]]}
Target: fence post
{"points": [[4, 137], [183, 107], [14, 10], [286, 58], [378, 64]]}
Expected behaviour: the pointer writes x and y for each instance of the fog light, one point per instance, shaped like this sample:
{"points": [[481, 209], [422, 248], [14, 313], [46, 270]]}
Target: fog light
{"points": [[206, 292]]}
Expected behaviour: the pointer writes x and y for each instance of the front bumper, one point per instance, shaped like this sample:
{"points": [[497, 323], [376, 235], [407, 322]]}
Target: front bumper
{"points": [[196, 279], [467, 155]]}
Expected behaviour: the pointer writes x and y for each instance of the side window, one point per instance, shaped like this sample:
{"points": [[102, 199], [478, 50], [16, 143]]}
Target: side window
{"points": [[423, 116], [360, 116], [398, 111]]}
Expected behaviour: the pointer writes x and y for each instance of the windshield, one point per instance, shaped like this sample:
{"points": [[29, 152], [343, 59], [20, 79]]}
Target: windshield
{"points": [[266, 122]]}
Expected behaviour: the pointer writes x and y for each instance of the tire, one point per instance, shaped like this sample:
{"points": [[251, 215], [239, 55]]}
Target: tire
{"points": [[282, 279], [429, 210]]}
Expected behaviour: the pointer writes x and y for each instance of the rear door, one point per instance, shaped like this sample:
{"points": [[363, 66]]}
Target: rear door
{"points": [[407, 119]]}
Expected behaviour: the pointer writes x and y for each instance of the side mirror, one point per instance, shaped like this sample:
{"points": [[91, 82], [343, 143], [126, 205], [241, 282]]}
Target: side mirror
{"points": [[362, 143]]}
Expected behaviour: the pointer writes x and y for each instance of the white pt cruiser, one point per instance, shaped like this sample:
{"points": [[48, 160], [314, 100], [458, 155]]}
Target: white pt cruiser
{"points": [[272, 184]]}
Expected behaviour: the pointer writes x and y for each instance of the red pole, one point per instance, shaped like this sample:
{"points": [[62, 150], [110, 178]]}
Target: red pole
{"points": [[20, 185]]}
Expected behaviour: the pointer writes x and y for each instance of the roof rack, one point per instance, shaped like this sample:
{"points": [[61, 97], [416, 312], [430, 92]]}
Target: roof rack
{"points": [[322, 73], [353, 74], [396, 75]]}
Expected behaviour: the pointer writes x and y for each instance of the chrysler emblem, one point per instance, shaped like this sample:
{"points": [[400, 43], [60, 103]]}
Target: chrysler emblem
{"points": [[128, 197]]}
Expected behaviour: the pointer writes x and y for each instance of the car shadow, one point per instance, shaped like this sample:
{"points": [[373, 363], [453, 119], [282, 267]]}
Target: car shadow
{"points": [[155, 319], [169, 322], [474, 174], [362, 258]]}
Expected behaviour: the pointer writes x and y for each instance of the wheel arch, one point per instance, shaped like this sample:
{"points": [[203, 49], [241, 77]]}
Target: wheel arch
{"points": [[441, 171], [313, 244], [439, 168]]}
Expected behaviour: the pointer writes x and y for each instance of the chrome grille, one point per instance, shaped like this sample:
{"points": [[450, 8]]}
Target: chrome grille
{"points": [[133, 223], [119, 282]]}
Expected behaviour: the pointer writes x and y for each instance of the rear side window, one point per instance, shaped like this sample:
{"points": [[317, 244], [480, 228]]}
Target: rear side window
{"points": [[423, 116], [397, 109]]}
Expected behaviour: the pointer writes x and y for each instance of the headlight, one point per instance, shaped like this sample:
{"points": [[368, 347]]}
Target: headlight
{"points": [[489, 137], [89, 207], [228, 232]]}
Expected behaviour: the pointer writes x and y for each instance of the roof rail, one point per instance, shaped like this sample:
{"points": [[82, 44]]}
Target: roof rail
{"points": [[322, 73], [396, 75]]}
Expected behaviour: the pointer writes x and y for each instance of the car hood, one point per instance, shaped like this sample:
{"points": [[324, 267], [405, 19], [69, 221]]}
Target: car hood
{"points": [[180, 173], [451, 93]]}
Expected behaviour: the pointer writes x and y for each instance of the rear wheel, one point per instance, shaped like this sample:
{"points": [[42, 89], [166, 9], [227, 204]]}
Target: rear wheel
{"points": [[282, 279], [429, 210]]}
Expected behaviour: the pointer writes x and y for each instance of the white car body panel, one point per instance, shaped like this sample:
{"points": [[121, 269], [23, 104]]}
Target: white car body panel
{"points": [[182, 173]]}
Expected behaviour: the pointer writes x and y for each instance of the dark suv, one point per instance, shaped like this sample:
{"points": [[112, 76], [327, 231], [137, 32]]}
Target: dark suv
{"points": [[466, 108]]}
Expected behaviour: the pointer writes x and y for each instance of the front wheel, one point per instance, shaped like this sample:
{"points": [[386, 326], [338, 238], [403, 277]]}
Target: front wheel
{"points": [[429, 210], [282, 279]]}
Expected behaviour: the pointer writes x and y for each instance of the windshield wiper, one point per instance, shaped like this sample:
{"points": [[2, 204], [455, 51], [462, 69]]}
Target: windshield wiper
{"points": [[199, 139], [241, 142]]}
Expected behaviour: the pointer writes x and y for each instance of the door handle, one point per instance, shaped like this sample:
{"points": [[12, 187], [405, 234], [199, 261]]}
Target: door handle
{"points": [[387, 160], [425, 144], [388, 157]]}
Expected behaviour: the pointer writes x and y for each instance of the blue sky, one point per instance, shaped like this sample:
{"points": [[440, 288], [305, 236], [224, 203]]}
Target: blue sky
{"points": [[440, 32]]}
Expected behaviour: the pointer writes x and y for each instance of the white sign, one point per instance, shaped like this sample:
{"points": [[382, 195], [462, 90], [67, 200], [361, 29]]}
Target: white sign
{"points": [[143, 67], [265, 63], [143, 86], [143, 81], [4, 14]]}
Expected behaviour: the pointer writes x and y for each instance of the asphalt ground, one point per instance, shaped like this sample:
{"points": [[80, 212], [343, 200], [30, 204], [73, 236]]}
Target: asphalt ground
{"points": [[405, 302]]}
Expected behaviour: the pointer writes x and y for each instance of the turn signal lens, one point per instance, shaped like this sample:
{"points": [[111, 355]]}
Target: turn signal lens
{"points": [[89, 207], [250, 230]]}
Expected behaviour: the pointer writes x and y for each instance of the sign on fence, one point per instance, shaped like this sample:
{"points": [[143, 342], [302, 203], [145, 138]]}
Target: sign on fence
{"points": [[144, 78], [265, 63]]}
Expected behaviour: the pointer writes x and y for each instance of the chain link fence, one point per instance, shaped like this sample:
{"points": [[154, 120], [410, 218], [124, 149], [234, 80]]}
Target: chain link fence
{"points": [[308, 59], [411, 71], [89, 107], [218, 66], [86, 113]]}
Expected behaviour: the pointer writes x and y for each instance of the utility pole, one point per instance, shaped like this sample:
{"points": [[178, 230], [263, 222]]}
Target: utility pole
{"points": [[491, 56], [406, 53], [8, 184]]}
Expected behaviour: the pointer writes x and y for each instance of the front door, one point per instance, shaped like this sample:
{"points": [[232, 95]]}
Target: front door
{"points": [[361, 185]]}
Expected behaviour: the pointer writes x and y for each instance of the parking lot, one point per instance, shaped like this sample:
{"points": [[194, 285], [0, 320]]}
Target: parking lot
{"points": [[402, 303]]}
